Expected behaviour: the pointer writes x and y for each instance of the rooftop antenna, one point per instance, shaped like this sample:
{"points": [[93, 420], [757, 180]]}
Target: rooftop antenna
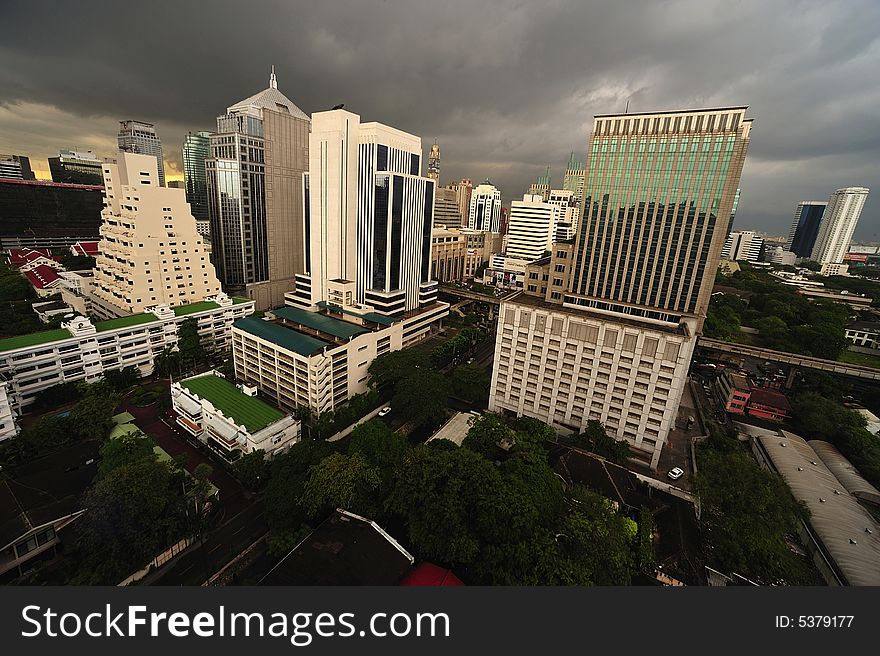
{"points": [[273, 83], [626, 111]]}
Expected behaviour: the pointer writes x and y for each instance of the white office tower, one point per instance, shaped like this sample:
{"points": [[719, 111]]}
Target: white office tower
{"points": [[532, 227], [568, 203], [743, 245], [368, 218], [485, 210], [838, 224], [149, 252]]}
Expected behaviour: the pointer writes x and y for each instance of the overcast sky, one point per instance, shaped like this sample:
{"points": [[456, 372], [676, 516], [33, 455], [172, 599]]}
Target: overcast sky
{"points": [[506, 87]]}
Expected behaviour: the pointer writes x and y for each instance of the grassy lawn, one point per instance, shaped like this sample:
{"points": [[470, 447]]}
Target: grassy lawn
{"points": [[864, 359]]}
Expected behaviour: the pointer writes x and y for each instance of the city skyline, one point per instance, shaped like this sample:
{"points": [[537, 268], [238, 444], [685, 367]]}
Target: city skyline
{"points": [[535, 104]]}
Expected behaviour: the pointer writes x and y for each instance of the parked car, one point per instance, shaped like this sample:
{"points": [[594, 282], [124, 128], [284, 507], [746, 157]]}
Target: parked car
{"points": [[675, 473], [384, 411]]}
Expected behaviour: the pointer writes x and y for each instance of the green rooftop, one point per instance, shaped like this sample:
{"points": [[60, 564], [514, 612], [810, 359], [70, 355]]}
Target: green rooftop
{"points": [[125, 322], [192, 308], [244, 410], [241, 299], [33, 339], [283, 337], [375, 317], [320, 322]]}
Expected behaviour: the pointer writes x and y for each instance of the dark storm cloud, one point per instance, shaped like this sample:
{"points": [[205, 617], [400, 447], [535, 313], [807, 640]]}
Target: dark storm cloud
{"points": [[506, 87]]}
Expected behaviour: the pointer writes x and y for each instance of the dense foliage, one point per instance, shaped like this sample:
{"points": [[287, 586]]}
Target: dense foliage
{"points": [[594, 439]]}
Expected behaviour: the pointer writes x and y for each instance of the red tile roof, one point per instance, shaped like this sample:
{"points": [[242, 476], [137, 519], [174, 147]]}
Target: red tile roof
{"points": [[429, 574], [19, 256], [42, 276], [85, 248], [768, 397]]}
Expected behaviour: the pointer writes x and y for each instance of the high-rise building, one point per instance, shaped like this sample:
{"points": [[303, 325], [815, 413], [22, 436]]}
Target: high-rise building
{"points": [[743, 245], [541, 187], [139, 137], [255, 195], [612, 340], [434, 163], [196, 149], [569, 205], [532, 227], [446, 208], [16, 167], [838, 224], [485, 208], [573, 180], [76, 167], [149, 253], [463, 190], [368, 218], [805, 227]]}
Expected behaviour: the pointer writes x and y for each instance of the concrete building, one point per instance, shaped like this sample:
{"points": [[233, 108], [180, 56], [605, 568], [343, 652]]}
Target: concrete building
{"points": [[745, 245], [16, 167], [255, 195], [73, 167], [196, 149], [532, 231], [369, 219], [541, 186], [617, 345], [150, 252], [463, 190], [230, 419], [778, 255], [834, 269], [320, 359], [569, 206], [865, 334], [805, 227], [838, 224], [573, 180], [82, 350], [434, 163], [448, 252], [446, 208], [141, 138], [485, 208]]}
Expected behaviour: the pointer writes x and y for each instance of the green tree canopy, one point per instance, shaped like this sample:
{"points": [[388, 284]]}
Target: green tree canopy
{"points": [[422, 397], [125, 450], [394, 366], [343, 481]]}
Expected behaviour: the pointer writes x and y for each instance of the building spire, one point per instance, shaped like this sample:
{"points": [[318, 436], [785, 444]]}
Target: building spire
{"points": [[273, 83]]}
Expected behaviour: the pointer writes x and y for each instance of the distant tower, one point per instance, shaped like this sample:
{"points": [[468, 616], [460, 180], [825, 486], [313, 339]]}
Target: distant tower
{"points": [[434, 163], [541, 187], [141, 138]]}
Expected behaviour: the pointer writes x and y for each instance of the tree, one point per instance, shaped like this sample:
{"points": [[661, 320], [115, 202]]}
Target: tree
{"points": [[132, 513], [379, 445], [390, 368], [122, 379], [252, 470], [125, 450], [488, 435], [470, 382], [595, 439], [341, 481], [92, 418], [189, 342], [167, 363], [423, 397]]}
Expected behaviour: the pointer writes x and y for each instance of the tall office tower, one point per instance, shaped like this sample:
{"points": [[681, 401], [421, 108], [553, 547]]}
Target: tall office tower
{"points": [[434, 163], [573, 180], [446, 208], [743, 245], [140, 137], [16, 167], [368, 219], [196, 149], [838, 224], [503, 221], [541, 187], [463, 190], [532, 227], [569, 204], [485, 208], [805, 227], [255, 195], [149, 252], [612, 339], [73, 167]]}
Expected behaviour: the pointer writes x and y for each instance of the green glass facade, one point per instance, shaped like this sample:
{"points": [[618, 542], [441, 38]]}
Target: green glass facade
{"points": [[196, 149]]}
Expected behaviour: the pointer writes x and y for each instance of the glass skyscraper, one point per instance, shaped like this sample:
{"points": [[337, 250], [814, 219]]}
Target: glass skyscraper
{"points": [[140, 137], [805, 227], [196, 149]]}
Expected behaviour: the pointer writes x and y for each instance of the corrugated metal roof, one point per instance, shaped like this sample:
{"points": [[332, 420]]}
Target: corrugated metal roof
{"points": [[836, 516], [845, 472]]}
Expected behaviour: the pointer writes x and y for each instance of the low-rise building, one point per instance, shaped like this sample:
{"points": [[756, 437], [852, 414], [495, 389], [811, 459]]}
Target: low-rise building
{"points": [[48, 309], [734, 390], [82, 350], [865, 334], [855, 301], [741, 397], [448, 251], [232, 420], [768, 404], [44, 279], [834, 269], [320, 359]]}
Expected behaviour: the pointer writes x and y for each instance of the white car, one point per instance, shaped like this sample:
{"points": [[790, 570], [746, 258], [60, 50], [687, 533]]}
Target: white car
{"points": [[384, 411], [675, 473]]}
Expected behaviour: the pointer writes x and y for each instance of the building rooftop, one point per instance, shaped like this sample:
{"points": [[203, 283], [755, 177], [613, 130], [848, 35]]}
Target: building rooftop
{"points": [[284, 337], [320, 322], [125, 322], [244, 410], [428, 574], [764, 396], [845, 472], [42, 276], [455, 429], [865, 326], [270, 98], [345, 549], [192, 308], [34, 339], [375, 317], [847, 531]]}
